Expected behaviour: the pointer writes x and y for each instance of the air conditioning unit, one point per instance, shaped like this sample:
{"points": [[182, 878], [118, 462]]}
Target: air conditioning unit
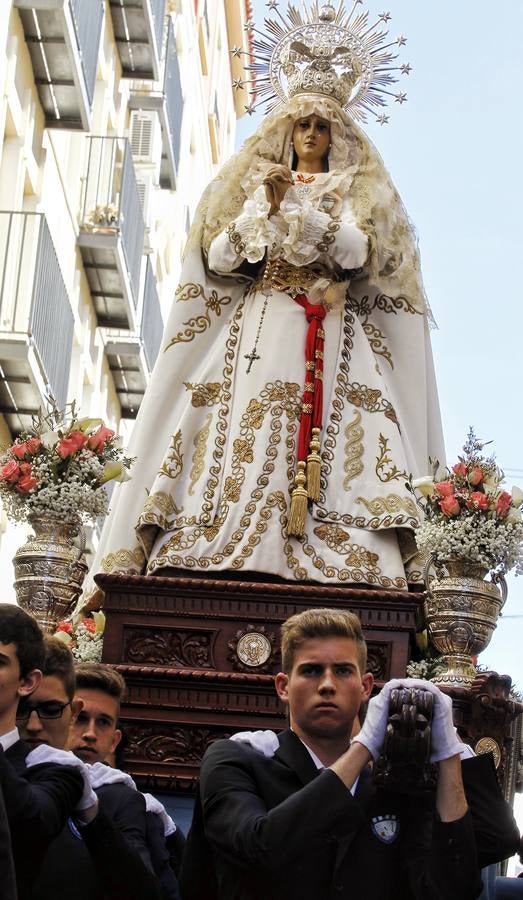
{"points": [[145, 136]]}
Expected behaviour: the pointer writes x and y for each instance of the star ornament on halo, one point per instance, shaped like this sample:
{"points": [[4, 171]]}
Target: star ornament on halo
{"points": [[400, 98]]}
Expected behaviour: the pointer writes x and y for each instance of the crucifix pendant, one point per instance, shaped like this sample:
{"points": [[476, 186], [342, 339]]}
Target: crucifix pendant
{"points": [[252, 356]]}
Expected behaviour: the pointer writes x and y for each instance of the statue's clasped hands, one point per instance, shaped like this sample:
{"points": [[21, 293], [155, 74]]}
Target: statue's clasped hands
{"points": [[277, 181]]}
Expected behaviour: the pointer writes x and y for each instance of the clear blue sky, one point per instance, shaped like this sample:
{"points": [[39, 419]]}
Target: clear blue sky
{"points": [[454, 151]]}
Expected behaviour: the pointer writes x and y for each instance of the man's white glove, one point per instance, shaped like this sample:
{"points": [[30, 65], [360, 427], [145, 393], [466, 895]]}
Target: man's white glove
{"points": [[100, 774], [372, 734], [45, 754], [265, 742], [444, 741], [153, 805]]}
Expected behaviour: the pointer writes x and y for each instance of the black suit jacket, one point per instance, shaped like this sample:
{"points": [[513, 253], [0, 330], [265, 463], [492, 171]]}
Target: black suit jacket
{"points": [[277, 828], [38, 801], [7, 869], [105, 860]]}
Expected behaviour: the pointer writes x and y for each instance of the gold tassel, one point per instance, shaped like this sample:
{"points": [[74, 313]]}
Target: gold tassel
{"points": [[298, 511], [314, 466]]}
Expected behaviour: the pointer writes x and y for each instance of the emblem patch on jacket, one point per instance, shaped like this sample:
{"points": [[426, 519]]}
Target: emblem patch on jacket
{"points": [[386, 828]]}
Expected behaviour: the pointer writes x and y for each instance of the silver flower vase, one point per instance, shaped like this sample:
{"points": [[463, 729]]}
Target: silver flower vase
{"points": [[461, 611], [50, 569]]}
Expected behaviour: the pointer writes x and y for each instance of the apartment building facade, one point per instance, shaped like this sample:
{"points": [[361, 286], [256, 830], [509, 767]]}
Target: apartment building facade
{"points": [[113, 118]]}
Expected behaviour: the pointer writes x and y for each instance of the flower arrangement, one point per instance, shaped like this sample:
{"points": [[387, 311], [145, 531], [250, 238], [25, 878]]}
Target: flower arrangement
{"points": [[84, 637], [59, 467], [467, 513]]}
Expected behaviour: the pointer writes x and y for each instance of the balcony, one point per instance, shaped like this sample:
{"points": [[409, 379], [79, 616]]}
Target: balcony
{"points": [[112, 232], [168, 103], [132, 356], [138, 30], [63, 37], [36, 319]]}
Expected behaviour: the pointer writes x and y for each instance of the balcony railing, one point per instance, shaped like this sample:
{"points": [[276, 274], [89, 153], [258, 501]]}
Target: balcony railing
{"points": [[36, 319], [131, 357], [63, 38], [169, 106], [138, 30], [152, 322], [112, 231]]}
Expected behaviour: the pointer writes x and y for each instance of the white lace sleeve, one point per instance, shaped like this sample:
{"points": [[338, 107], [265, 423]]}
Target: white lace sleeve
{"points": [[247, 238], [312, 232]]}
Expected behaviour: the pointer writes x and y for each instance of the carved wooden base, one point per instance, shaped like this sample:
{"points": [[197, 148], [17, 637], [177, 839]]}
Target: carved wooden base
{"points": [[199, 656]]}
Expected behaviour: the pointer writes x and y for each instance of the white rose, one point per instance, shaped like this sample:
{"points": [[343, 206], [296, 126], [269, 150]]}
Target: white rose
{"points": [[514, 515], [517, 496], [424, 485]]}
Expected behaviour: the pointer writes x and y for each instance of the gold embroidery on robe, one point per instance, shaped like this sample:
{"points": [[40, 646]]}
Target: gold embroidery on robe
{"points": [[197, 324], [392, 503], [173, 463], [123, 560], [354, 450], [386, 470], [198, 460], [207, 394]]}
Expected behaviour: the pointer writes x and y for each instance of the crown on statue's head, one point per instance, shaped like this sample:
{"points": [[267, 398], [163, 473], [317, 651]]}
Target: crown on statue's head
{"points": [[326, 51]]}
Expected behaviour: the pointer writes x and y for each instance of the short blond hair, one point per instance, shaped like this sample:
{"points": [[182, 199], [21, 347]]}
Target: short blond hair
{"points": [[320, 623]]}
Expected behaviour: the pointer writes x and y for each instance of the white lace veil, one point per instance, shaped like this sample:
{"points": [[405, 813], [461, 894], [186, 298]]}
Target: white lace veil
{"points": [[393, 266]]}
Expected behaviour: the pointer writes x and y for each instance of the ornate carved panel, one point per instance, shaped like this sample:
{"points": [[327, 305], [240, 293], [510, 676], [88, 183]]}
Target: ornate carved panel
{"points": [[168, 647], [170, 743]]}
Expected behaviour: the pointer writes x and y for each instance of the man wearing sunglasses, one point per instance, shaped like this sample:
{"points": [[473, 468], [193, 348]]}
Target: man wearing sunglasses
{"points": [[106, 857]]}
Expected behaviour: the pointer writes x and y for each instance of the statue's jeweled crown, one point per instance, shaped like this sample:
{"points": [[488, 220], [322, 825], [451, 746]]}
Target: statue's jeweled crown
{"points": [[323, 50]]}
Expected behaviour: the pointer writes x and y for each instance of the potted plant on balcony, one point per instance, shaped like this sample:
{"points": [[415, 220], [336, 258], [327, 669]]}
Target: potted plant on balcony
{"points": [[472, 528], [104, 219], [53, 477]]}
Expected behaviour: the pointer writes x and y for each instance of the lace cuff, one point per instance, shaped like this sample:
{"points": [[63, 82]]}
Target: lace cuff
{"points": [[306, 229], [252, 232]]}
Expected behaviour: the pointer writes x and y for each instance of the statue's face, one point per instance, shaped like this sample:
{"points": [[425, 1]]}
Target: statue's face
{"points": [[311, 138]]}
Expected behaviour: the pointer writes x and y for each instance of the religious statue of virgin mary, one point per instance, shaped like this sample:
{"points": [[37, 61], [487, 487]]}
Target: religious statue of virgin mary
{"points": [[294, 393]]}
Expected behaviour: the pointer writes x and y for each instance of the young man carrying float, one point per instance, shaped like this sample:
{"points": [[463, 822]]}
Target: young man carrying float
{"points": [[297, 815]]}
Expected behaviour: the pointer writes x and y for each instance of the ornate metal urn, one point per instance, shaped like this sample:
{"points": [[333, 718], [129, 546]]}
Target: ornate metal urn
{"points": [[461, 611], [50, 569]]}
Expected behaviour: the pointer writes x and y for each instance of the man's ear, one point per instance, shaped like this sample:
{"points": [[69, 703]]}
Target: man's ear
{"points": [[116, 740], [281, 683], [76, 707], [29, 682], [367, 683]]}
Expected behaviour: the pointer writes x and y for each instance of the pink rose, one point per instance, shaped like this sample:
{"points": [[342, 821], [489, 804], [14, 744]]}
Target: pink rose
{"points": [[19, 450], [25, 468], [90, 624], [503, 504], [10, 471], [444, 488], [98, 440], [449, 506], [26, 483], [64, 626], [460, 469], [33, 445], [476, 476], [74, 441], [477, 500]]}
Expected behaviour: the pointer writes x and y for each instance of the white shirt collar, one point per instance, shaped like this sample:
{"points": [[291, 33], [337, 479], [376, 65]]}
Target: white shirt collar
{"points": [[9, 738]]}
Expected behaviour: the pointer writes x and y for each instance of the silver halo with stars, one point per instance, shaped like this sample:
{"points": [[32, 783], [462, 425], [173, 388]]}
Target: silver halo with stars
{"points": [[335, 47]]}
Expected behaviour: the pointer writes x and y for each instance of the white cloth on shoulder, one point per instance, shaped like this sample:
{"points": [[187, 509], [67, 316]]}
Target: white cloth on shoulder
{"points": [[100, 774], [153, 805], [265, 742], [46, 754]]}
